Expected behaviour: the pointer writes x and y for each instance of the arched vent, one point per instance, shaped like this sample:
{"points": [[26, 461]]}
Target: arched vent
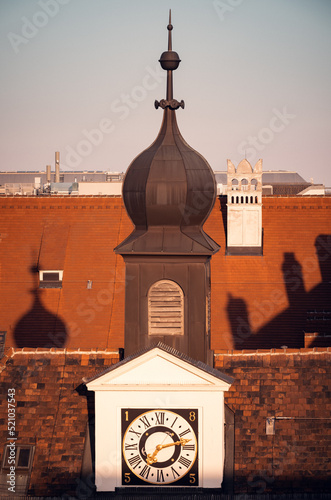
{"points": [[165, 309]]}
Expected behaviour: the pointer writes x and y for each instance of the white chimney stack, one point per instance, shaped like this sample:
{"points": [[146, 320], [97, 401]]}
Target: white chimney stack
{"points": [[57, 166], [48, 173]]}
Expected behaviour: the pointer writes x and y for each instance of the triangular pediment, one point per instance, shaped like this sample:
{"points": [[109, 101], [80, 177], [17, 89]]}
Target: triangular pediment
{"points": [[163, 369]]}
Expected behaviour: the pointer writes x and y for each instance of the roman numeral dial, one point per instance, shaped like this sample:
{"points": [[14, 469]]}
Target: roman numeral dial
{"points": [[160, 447]]}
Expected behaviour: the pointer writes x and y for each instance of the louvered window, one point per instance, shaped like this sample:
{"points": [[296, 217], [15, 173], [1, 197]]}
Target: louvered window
{"points": [[165, 309]]}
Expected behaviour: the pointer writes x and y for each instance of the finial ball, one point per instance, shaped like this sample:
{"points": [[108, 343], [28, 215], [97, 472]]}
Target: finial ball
{"points": [[169, 60], [170, 27]]}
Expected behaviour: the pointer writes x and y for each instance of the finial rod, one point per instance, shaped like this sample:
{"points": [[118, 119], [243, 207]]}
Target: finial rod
{"points": [[169, 34]]}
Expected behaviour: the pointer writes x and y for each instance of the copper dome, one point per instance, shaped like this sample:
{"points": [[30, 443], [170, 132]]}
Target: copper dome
{"points": [[169, 189]]}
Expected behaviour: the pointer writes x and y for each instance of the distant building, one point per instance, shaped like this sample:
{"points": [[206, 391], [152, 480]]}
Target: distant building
{"points": [[25, 183], [315, 190], [244, 209], [113, 188], [276, 182]]}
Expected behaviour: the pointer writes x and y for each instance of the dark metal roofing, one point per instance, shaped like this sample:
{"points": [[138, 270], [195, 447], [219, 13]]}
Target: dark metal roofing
{"points": [[221, 178], [272, 177], [282, 177], [163, 347]]}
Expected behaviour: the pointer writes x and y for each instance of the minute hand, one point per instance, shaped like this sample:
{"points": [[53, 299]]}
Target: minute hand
{"points": [[151, 457], [182, 441]]}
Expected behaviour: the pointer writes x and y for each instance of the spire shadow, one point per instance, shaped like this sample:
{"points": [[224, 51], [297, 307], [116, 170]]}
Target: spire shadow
{"points": [[39, 327]]}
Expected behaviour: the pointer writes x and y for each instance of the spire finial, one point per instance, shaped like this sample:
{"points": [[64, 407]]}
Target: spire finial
{"points": [[170, 27], [169, 61]]}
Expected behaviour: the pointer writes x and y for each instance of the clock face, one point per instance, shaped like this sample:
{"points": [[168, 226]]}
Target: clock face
{"points": [[160, 447]]}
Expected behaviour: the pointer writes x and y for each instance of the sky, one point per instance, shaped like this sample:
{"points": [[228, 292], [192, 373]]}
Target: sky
{"points": [[81, 77]]}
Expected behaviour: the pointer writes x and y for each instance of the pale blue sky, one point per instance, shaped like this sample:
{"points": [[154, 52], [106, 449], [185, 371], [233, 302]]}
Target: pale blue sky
{"points": [[81, 77]]}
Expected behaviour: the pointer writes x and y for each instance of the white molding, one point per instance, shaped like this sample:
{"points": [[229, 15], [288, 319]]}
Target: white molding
{"points": [[158, 370]]}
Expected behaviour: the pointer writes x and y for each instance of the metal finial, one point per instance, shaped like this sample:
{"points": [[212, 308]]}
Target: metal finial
{"points": [[169, 61], [169, 34]]}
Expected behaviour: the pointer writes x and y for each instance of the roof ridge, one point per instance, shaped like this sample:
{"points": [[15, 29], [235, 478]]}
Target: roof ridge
{"points": [[264, 352], [58, 350]]}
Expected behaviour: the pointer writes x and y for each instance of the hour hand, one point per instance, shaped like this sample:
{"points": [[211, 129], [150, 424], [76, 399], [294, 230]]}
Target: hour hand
{"points": [[151, 458]]}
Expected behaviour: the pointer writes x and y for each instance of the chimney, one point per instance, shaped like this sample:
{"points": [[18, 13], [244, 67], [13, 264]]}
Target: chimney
{"points": [[48, 173], [244, 208], [57, 166]]}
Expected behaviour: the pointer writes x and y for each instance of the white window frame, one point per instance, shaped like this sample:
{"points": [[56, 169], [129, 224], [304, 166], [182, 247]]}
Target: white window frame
{"points": [[6, 464], [42, 280]]}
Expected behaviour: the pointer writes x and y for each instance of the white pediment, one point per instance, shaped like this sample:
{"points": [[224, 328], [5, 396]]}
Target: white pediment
{"points": [[161, 369]]}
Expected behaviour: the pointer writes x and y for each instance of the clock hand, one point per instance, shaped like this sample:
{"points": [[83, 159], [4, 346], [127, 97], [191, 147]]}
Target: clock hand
{"points": [[151, 457], [181, 442]]}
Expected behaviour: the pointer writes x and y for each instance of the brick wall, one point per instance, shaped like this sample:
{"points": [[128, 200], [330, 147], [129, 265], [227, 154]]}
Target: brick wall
{"points": [[295, 388], [51, 412], [292, 386]]}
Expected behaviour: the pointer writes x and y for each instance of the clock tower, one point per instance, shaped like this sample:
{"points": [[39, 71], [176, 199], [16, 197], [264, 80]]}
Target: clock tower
{"points": [[160, 411], [168, 191]]}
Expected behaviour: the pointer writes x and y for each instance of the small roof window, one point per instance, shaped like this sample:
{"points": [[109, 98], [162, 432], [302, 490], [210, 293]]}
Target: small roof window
{"points": [[50, 279]]}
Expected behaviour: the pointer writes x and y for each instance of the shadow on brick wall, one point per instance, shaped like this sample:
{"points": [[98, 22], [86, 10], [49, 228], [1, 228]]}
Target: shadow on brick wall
{"points": [[308, 311]]}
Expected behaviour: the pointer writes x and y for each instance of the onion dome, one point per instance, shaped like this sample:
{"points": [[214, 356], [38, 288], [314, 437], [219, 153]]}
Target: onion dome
{"points": [[169, 189]]}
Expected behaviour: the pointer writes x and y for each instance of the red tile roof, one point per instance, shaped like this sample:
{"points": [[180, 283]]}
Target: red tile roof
{"points": [[262, 302], [251, 305]]}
